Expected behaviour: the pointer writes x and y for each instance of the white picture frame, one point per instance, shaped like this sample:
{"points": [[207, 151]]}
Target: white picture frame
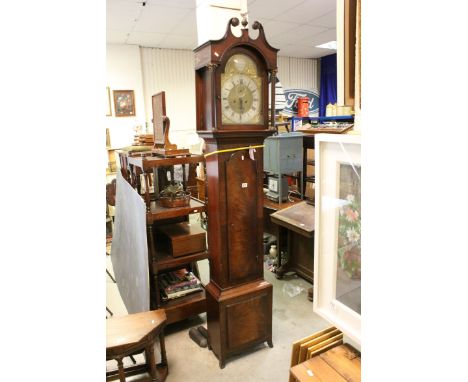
{"points": [[335, 153]]}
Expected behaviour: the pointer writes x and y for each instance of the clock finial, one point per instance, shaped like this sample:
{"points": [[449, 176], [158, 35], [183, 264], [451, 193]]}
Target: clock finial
{"points": [[244, 19]]}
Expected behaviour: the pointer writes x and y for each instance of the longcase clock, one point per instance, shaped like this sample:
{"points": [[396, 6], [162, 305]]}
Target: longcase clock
{"points": [[231, 76]]}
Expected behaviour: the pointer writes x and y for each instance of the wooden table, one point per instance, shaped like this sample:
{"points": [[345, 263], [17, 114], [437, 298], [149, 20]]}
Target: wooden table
{"points": [[270, 207], [133, 334], [298, 224]]}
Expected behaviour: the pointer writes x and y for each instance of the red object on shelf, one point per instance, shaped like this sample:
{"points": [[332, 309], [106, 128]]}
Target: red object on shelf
{"points": [[303, 107]]}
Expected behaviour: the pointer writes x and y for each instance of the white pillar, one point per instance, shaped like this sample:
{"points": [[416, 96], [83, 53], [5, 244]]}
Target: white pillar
{"points": [[340, 69], [213, 16]]}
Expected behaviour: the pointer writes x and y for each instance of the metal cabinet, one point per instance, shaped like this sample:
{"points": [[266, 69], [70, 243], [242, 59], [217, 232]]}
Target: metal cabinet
{"points": [[283, 154]]}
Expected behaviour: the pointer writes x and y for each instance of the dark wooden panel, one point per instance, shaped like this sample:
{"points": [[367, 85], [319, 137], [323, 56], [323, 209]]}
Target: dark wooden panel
{"points": [[185, 307], [183, 238], [302, 258], [241, 194], [246, 321]]}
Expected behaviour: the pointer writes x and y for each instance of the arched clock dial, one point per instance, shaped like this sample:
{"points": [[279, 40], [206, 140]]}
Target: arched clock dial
{"points": [[241, 92]]}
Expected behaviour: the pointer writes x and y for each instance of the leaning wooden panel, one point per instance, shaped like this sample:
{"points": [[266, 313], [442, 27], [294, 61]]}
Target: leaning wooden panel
{"points": [[324, 337], [345, 360], [296, 346], [313, 349]]}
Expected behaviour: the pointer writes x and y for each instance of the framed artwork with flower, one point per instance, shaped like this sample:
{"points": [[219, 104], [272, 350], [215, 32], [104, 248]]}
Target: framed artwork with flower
{"points": [[337, 252], [124, 103]]}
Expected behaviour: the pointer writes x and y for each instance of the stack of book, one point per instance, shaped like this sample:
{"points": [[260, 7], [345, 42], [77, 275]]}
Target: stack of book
{"points": [[178, 283], [143, 140]]}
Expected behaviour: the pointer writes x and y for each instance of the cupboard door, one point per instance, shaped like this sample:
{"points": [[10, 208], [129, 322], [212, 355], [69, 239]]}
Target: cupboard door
{"points": [[242, 233]]}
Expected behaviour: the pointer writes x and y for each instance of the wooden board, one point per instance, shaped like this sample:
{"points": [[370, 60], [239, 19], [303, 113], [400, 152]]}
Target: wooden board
{"points": [[296, 346], [317, 342], [300, 215], [345, 360], [325, 346], [315, 369], [328, 130]]}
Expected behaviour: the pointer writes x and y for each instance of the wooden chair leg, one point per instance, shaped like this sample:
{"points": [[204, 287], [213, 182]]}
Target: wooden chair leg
{"points": [[121, 370], [112, 278]]}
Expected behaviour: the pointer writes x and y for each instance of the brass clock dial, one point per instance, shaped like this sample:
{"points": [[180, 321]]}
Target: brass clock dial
{"points": [[241, 92]]}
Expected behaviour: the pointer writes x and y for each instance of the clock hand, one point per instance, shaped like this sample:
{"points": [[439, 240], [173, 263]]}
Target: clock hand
{"points": [[241, 105]]}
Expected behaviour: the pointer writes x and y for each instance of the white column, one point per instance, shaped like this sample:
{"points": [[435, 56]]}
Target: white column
{"points": [[340, 69], [213, 16]]}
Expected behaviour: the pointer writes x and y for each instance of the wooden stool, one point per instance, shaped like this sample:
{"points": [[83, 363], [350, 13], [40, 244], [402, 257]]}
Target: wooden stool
{"points": [[134, 334]]}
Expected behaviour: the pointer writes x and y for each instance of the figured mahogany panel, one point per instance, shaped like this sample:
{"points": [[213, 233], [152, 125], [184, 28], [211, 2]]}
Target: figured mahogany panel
{"points": [[242, 200], [247, 321]]}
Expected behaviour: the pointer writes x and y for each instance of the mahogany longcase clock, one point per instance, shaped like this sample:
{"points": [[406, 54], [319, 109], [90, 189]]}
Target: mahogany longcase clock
{"points": [[231, 76]]}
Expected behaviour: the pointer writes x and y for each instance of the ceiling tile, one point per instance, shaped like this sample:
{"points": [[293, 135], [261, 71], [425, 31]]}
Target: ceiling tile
{"points": [[275, 28], [145, 38], [177, 42], [115, 37], [320, 38], [121, 15], [307, 11], [270, 8], [187, 25], [298, 33], [328, 20], [190, 4], [159, 19]]}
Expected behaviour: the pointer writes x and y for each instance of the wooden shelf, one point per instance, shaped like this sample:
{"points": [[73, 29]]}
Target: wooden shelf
{"points": [[149, 162], [184, 307], [160, 213], [145, 162], [166, 262]]}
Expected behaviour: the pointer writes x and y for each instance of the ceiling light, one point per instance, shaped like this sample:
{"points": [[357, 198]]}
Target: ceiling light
{"points": [[328, 45]]}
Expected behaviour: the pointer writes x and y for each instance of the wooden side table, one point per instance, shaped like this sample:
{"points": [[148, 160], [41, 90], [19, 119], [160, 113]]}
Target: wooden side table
{"points": [[132, 334], [298, 222]]}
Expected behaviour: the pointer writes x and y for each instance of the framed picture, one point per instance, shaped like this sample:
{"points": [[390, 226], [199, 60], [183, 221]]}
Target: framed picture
{"points": [[124, 103], [108, 102], [337, 255]]}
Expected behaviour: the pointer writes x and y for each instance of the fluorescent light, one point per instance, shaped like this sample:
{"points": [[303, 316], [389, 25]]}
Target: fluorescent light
{"points": [[328, 45]]}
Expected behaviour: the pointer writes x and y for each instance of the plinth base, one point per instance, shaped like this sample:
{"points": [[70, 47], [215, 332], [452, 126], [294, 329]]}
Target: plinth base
{"points": [[238, 318]]}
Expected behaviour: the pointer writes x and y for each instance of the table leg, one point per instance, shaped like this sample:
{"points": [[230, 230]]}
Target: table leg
{"points": [[121, 369], [151, 361], [163, 348]]}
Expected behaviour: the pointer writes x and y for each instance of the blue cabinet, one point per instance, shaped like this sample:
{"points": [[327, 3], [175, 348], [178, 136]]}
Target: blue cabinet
{"points": [[283, 154]]}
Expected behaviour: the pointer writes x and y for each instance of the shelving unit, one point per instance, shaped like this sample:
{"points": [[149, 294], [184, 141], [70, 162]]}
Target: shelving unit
{"points": [[148, 175], [308, 172]]}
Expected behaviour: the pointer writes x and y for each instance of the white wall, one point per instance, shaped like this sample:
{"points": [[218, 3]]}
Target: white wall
{"points": [[150, 70], [124, 73], [299, 73], [171, 71]]}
